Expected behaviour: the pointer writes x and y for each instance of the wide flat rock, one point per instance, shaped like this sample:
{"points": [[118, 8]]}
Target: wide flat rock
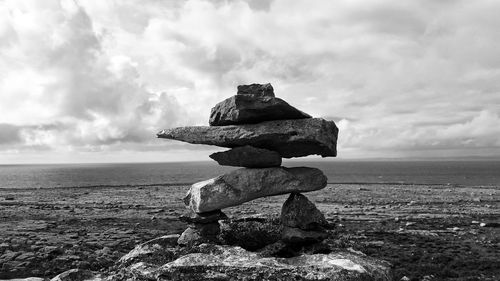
{"points": [[235, 263], [247, 109], [248, 156], [242, 185], [290, 138]]}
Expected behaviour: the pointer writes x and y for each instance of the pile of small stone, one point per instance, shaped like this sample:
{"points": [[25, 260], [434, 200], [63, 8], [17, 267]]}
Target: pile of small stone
{"points": [[260, 129]]}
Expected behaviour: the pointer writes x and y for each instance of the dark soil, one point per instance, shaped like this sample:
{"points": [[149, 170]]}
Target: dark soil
{"points": [[426, 232]]}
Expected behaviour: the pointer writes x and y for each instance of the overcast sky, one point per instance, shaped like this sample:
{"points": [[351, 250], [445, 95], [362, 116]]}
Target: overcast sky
{"points": [[93, 81]]}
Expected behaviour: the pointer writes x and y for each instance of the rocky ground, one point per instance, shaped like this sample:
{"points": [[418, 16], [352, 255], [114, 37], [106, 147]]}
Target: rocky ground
{"points": [[427, 232]]}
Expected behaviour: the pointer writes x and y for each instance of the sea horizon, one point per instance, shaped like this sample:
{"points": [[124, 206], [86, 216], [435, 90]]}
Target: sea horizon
{"points": [[450, 172], [303, 159]]}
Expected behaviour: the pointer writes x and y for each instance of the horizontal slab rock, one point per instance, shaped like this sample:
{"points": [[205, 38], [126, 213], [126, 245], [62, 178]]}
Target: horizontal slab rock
{"points": [[248, 156], [235, 263], [242, 185], [265, 90], [247, 109], [298, 236], [290, 138], [298, 211]]}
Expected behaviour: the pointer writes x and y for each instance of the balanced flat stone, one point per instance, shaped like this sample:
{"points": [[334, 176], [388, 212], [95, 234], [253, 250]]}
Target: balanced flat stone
{"points": [[242, 185], [265, 90], [290, 138], [299, 212], [248, 109], [248, 156]]}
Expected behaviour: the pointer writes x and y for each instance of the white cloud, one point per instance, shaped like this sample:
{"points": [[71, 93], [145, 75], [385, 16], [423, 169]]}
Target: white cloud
{"points": [[407, 78], [57, 71]]}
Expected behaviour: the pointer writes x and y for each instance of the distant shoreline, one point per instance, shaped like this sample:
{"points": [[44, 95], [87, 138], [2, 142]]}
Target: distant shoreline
{"points": [[390, 173], [139, 186], [305, 160]]}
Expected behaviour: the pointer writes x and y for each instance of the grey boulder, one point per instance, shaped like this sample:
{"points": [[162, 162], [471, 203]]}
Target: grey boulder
{"points": [[242, 185], [290, 138], [299, 212], [248, 156], [247, 109], [234, 263]]}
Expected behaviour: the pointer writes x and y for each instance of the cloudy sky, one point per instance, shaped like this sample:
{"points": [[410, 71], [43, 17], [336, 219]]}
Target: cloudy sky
{"points": [[93, 81]]}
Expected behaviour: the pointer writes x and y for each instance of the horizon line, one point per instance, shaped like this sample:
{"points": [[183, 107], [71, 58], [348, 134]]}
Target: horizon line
{"points": [[326, 159]]}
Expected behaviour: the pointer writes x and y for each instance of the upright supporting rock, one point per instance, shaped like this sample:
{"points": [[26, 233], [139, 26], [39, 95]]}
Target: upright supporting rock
{"points": [[243, 185], [302, 221], [298, 211], [290, 138]]}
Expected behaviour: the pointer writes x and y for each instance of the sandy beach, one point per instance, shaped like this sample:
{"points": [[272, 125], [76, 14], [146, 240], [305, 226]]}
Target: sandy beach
{"points": [[428, 232]]}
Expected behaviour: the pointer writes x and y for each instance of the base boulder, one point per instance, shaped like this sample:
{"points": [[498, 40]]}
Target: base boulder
{"points": [[234, 263]]}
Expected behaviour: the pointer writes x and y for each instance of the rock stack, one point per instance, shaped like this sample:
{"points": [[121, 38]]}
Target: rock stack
{"points": [[260, 129]]}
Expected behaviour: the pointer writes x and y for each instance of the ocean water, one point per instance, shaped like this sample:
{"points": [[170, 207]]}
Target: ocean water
{"points": [[461, 173]]}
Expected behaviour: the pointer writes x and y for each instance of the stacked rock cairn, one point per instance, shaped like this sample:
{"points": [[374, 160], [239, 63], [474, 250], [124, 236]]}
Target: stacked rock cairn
{"points": [[260, 130]]}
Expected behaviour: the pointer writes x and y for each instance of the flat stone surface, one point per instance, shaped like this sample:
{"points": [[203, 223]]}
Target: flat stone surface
{"points": [[235, 263], [290, 138], [298, 236], [248, 156], [242, 185], [298, 211], [248, 109], [256, 89]]}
